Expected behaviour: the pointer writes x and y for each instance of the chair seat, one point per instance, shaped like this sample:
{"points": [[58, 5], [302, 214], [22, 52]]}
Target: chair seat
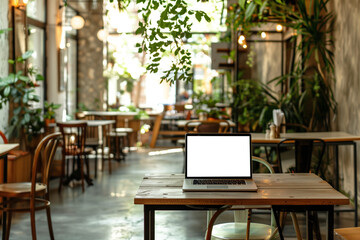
{"points": [[237, 230], [93, 142], [117, 134], [351, 233], [20, 189], [124, 130], [77, 151]]}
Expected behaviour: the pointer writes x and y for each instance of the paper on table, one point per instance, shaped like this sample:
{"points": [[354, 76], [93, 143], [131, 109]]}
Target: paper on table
{"points": [[277, 117]]}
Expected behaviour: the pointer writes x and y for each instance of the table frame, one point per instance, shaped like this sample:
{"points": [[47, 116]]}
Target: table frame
{"points": [[154, 187], [149, 216], [336, 144], [4, 156]]}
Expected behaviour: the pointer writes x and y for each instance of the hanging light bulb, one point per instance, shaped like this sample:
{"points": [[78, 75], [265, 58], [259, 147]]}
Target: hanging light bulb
{"points": [[279, 28], [241, 39], [102, 34], [244, 46], [263, 34], [25, 1], [77, 22]]}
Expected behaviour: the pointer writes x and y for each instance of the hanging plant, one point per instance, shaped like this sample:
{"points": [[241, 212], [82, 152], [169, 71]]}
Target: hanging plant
{"points": [[166, 35]]}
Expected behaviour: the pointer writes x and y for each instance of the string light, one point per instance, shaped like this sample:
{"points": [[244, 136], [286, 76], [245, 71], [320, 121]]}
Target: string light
{"points": [[77, 22], [279, 28], [263, 34], [244, 46], [241, 39]]}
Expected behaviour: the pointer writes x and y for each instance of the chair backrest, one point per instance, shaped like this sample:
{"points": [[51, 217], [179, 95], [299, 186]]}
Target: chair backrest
{"points": [[205, 126], [74, 137], [2, 135], [293, 127], [303, 154], [44, 152]]}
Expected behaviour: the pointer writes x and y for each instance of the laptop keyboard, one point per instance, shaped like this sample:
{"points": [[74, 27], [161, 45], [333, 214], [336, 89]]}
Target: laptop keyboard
{"points": [[219, 181]]}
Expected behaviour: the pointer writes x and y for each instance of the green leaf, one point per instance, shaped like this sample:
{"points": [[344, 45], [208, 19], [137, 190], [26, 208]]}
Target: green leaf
{"points": [[207, 18], [39, 77], [250, 10], [27, 54], [11, 61], [242, 3], [198, 16], [7, 91], [27, 117], [17, 110]]}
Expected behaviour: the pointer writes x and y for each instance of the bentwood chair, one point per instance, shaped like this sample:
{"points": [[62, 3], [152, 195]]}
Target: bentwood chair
{"points": [[73, 146], [243, 228], [35, 194], [308, 155]]}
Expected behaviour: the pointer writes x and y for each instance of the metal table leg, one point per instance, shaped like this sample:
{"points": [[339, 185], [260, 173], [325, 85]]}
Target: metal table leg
{"points": [[355, 185], [149, 223]]}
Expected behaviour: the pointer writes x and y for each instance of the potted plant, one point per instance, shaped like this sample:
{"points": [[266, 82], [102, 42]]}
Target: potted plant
{"points": [[18, 89], [206, 104], [49, 113]]}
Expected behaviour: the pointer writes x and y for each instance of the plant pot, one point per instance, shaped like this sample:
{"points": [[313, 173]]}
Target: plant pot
{"points": [[49, 122]]}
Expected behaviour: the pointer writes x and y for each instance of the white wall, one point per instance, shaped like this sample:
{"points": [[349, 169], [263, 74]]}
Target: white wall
{"points": [[52, 46], [4, 55]]}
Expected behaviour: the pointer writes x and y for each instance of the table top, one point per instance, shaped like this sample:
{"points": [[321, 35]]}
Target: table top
{"points": [[115, 113], [5, 148], [326, 136], [181, 123], [273, 189], [93, 123]]}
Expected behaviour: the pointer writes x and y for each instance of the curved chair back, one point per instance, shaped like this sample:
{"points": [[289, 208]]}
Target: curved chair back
{"points": [[74, 137], [303, 154], [2, 135], [44, 152]]}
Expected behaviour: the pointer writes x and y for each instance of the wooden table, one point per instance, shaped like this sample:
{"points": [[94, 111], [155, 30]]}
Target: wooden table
{"points": [[289, 192], [182, 123], [335, 139], [4, 150]]}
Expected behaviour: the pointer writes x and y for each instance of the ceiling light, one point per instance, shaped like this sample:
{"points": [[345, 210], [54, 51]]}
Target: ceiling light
{"points": [[77, 22]]}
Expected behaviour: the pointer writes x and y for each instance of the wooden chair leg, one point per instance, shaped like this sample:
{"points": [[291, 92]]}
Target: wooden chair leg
{"points": [[32, 219], [296, 225], [62, 173], [96, 162], [82, 173], [248, 223], [51, 231], [8, 225]]}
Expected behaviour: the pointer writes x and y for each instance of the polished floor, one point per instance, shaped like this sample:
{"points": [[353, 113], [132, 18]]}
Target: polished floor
{"points": [[106, 210]]}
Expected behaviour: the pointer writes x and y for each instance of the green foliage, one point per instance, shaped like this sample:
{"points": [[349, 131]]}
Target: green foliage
{"points": [[207, 104], [19, 89], [167, 36], [251, 104], [310, 97], [122, 4], [49, 108]]}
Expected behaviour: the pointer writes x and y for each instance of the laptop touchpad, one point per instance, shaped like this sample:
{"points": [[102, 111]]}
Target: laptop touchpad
{"points": [[218, 186]]}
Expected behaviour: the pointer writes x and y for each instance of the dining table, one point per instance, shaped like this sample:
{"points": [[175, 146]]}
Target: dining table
{"points": [[331, 138], [4, 151], [282, 191]]}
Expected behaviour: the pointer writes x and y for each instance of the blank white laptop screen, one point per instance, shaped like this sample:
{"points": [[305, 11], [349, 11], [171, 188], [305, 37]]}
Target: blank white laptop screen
{"points": [[218, 156]]}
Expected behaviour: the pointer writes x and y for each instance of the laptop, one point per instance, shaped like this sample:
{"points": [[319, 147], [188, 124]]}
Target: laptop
{"points": [[218, 162]]}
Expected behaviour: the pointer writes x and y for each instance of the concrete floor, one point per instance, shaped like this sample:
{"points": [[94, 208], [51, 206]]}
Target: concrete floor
{"points": [[106, 210]]}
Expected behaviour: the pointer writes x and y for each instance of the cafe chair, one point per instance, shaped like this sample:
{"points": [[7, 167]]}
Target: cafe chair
{"points": [[33, 195], [308, 155], [206, 126], [243, 228], [73, 146]]}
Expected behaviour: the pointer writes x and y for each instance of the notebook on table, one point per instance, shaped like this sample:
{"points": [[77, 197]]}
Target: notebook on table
{"points": [[218, 162]]}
